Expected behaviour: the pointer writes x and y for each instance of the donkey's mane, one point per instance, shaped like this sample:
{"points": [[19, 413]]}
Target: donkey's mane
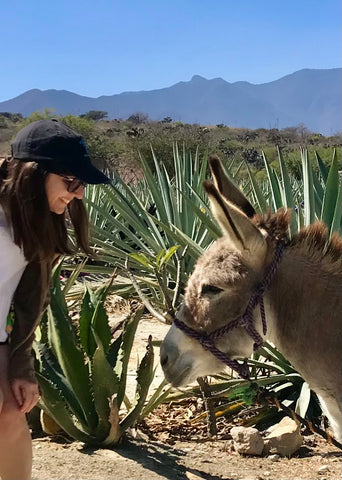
{"points": [[312, 241], [275, 224]]}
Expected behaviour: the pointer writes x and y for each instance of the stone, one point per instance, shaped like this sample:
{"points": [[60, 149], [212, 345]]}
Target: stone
{"points": [[247, 440], [192, 476], [274, 458], [284, 438], [323, 469]]}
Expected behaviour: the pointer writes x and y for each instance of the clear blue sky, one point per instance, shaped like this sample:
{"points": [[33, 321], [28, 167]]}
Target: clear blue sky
{"points": [[103, 47]]}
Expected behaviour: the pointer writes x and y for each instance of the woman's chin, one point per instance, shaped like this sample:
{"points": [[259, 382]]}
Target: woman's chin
{"points": [[58, 210]]}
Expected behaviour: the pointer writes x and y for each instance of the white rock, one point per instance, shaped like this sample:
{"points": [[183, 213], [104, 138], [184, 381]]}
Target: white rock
{"points": [[247, 440], [274, 458], [323, 469], [284, 438]]}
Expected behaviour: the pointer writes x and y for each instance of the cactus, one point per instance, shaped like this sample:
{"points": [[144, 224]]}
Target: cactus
{"points": [[82, 371]]}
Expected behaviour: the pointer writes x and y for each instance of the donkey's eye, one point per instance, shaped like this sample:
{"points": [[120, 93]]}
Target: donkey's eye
{"points": [[210, 289]]}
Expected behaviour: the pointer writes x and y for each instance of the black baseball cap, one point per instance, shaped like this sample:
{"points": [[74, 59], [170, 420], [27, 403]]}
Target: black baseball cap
{"points": [[58, 149]]}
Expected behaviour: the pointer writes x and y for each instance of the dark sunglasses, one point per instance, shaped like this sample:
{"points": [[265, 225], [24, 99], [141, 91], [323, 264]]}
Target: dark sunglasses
{"points": [[73, 183]]}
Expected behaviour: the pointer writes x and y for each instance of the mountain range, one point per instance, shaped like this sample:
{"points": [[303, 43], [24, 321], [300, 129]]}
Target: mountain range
{"points": [[309, 96]]}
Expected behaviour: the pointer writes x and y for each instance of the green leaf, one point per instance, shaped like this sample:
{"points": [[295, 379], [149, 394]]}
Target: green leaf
{"points": [[144, 379], [99, 319], [48, 367], [121, 366], [287, 191], [247, 393], [331, 194], [154, 188], [105, 385], [74, 275], [57, 409], [319, 194], [93, 315], [274, 185], [143, 259], [159, 396], [166, 255], [309, 199], [180, 238], [67, 350], [165, 208], [337, 218], [86, 314], [322, 168], [257, 192]]}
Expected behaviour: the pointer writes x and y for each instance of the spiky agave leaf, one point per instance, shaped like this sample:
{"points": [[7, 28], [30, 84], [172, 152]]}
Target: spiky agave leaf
{"points": [[63, 341], [105, 385], [144, 379], [124, 352], [57, 408], [93, 316], [48, 368]]}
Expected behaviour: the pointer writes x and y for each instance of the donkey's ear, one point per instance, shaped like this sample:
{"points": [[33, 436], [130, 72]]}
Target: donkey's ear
{"points": [[245, 236], [227, 188]]}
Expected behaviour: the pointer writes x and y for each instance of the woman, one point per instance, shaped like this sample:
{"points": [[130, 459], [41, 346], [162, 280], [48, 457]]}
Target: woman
{"points": [[41, 188]]}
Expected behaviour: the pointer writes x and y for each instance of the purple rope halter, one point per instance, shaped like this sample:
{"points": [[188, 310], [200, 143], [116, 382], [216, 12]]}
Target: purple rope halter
{"points": [[246, 320]]}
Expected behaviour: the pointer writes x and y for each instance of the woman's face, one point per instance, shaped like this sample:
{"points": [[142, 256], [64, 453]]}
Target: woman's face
{"points": [[56, 188]]}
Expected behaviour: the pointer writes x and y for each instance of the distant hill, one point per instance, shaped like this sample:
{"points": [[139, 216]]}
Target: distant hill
{"points": [[311, 97]]}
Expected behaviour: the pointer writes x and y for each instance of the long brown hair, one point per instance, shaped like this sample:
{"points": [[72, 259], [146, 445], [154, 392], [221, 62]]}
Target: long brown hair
{"points": [[40, 233]]}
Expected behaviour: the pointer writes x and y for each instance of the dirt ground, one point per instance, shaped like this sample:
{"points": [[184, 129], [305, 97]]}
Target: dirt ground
{"points": [[167, 446], [150, 460]]}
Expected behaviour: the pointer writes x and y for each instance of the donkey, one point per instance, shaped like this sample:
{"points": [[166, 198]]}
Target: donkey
{"points": [[297, 283]]}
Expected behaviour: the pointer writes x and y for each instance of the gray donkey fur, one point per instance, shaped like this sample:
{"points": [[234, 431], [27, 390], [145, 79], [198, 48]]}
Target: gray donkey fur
{"points": [[303, 304]]}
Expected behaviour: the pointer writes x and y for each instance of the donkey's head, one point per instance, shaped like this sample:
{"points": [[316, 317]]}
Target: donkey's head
{"points": [[220, 286]]}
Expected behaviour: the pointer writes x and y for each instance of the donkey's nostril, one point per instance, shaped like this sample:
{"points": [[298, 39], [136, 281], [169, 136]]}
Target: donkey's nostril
{"points": [[163, 359]]}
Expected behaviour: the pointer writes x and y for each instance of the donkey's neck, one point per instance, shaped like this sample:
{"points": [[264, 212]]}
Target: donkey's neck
{"points": [[304, 313]]}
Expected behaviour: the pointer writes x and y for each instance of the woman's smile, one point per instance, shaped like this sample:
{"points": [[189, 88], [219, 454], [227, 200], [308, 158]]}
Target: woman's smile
{"points": [[57, 193]]}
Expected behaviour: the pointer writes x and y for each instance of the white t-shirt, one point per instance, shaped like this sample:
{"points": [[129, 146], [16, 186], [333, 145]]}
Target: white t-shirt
{"points": [[12, 266]]}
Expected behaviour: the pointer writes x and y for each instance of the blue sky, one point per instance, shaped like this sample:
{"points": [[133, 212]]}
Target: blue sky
{"points": [[103, 47]]}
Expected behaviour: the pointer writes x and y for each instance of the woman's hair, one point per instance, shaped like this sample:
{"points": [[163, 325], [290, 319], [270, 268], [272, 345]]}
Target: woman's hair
{"points": [[40, 233]]}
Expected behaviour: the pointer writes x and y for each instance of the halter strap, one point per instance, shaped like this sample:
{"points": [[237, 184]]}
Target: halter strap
{"points": [[246, 320]]}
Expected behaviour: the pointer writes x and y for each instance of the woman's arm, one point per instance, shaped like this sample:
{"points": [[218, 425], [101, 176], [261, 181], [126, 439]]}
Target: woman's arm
{"points": [[30, 300]]}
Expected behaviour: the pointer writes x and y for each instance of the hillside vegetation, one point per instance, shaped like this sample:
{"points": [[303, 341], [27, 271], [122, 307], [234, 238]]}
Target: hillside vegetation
{"points": [[119, 144]]}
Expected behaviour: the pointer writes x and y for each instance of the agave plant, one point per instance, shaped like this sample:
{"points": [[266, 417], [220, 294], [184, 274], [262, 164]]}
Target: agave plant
{"points": [[317, 196], [155, 216], [82, 371], [161, 212]]}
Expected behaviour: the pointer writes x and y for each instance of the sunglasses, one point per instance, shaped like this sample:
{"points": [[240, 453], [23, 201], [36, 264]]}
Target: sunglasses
{"points": [[73, 183]]}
